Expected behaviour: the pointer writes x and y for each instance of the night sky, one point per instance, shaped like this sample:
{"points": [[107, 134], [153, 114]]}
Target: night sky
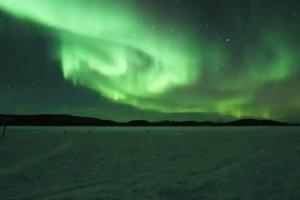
{"points": [[151, 59]]}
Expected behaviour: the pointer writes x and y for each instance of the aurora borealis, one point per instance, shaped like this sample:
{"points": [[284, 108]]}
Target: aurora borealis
{"points": [[156, 60]]}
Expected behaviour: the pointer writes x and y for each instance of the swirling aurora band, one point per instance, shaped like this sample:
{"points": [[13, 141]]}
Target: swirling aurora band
{"points": [[115, 50]]}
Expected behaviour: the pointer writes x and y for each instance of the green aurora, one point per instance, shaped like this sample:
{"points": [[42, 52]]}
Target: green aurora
{"points": [[130, 57]]}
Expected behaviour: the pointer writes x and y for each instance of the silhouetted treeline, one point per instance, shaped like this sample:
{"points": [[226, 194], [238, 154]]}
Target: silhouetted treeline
{"points": [[68, 120]]}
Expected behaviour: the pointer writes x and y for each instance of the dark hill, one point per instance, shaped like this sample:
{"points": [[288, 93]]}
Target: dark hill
{"points": [[69, 120], [52, 120]]}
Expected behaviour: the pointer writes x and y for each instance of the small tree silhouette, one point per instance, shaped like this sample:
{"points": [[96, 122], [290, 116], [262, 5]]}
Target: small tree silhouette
{"points": [[3, 132], [5, 122]]}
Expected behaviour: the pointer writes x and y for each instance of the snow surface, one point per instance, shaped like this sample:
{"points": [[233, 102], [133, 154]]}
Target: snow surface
{"points": [[125, 163]]}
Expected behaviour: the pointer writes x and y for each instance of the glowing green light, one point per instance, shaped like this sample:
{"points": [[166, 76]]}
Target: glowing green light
{"points": [[112, 49]]}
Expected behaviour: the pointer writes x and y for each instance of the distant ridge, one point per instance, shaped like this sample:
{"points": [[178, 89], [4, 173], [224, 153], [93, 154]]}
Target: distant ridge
{"points": [[69, 120], [53, 120]]}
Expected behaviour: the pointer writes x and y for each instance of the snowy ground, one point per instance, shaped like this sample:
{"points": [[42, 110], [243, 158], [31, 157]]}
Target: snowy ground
{"points": [[150, 163]]}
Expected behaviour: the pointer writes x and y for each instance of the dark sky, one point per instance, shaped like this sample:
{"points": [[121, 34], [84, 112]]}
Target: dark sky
{"points": [[171, 59]]}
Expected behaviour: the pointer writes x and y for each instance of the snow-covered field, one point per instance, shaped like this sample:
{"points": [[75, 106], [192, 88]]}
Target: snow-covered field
{"points": [[150, 163]]}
